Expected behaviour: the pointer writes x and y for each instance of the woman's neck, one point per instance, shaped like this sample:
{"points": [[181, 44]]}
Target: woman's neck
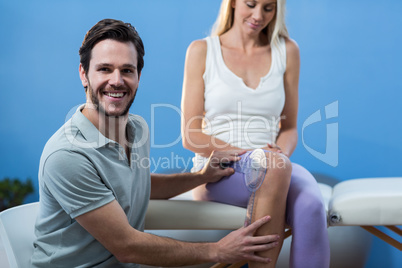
{"points": [[236, 38]]}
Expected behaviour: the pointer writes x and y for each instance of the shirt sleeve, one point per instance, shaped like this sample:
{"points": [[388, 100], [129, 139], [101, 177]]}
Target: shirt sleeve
{"points": [[74, 182]]}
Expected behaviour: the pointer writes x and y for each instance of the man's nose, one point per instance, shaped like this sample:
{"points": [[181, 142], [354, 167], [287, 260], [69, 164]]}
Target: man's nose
{"points": [[116, 79]]}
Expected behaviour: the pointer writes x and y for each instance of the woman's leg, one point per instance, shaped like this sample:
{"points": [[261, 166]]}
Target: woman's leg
{"points": [[230, 190], [306, 216], [270, 199]]}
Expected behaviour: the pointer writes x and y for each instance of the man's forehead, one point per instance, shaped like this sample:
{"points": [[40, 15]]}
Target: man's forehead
{"points": [[111, 51]]}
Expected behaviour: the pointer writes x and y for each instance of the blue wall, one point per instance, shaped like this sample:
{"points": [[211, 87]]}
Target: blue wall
{"points": [[351, 64]]}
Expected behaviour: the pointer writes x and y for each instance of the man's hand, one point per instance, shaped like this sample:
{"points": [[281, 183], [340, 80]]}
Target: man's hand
{"points": [[213, 171], [241, 245]]}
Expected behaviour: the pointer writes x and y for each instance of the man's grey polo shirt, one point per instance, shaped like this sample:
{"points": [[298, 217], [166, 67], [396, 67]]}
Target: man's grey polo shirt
{"points": [[81, 170]]}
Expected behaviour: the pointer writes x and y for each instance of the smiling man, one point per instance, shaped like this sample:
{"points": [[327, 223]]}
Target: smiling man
{"points": [[94, 194]]}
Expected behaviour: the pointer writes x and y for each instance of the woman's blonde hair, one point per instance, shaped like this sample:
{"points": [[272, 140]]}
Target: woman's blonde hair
{"points": [[275, 29]]}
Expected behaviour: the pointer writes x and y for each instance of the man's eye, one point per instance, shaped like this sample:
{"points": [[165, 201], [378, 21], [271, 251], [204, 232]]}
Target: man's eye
{"points": [[127, 71], [103, 69]]}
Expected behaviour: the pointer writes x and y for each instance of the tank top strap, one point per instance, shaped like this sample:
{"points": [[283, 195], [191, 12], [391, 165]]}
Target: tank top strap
{"points": [[279, 56], [211, 62]]}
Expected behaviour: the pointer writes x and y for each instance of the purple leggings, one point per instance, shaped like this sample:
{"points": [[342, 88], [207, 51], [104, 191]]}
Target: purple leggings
{"points": [[305, 213]]}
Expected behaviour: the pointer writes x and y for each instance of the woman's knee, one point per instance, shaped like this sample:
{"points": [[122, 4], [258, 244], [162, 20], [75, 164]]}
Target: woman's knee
{"points": [[279, 164], [302, 176], [279, 170]]}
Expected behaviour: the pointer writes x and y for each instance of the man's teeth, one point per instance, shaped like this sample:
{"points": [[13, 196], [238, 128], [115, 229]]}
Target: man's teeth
{"points": [[115, 95]]}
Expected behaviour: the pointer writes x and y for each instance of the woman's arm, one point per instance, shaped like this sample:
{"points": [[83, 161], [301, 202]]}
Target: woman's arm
{"points": [[192, 104], [287, 138]]}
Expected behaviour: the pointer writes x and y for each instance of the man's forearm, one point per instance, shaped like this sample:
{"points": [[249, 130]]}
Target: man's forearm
{"points": [[161, 251], [169, 252], [165, 186], [109, 225]]}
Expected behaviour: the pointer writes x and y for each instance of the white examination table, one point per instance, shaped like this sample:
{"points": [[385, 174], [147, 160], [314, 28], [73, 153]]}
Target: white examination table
{"points": [[367, 203]]}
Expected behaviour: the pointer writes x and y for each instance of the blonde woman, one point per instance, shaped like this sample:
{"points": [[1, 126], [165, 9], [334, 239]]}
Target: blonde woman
{"points": [[240, 91]]}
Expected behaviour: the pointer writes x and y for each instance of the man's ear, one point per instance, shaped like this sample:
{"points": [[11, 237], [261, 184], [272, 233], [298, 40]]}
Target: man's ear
{"points": [[83, 76], [139, 76]]}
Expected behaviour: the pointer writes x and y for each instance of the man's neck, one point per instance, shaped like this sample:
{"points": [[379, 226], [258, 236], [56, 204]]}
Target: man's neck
{"points": [[113, 128]]}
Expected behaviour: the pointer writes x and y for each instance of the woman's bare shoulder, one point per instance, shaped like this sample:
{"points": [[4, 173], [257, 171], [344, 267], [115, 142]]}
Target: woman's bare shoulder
{"points": [[292, 48], [198, 47]]}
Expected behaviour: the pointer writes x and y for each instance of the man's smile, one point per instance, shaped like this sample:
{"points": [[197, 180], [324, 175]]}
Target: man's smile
{"points": [[115, 94]]}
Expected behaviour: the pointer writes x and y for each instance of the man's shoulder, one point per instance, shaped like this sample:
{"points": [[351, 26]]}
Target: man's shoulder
{"points": [[63, 140]]}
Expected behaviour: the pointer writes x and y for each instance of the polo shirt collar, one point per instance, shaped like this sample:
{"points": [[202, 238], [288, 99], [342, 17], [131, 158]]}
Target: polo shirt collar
{"points": [[91, 134]]}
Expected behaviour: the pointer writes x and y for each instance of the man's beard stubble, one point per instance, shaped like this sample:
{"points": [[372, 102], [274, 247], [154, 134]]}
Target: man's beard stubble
{"points": [[100, 109]]}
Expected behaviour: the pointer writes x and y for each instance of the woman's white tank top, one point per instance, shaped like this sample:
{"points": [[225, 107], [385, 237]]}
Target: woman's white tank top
{"points": [[235, 113]]}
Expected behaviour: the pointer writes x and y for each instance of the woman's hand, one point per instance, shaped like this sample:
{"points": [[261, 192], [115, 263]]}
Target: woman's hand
{"points": [[274, 148]]}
